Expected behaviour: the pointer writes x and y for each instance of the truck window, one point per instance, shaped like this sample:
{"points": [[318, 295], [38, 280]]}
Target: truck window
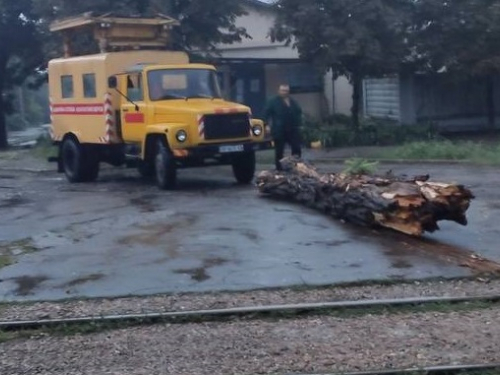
{"points": [[67, 90], [165, 84], [134, 87], [89, 86]]}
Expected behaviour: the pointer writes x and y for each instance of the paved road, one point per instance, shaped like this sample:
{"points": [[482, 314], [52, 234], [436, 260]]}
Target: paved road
{"points": [[121, 236]]}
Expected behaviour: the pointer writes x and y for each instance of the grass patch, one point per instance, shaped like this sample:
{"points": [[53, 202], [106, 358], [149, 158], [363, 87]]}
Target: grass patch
{"points": [[359, 166], [5, 261], [445, 150], [9, 155], [44, 149], [11, 250]]}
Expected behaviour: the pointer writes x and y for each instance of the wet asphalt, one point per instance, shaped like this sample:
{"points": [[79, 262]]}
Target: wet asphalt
{"points": [[122, 236]]}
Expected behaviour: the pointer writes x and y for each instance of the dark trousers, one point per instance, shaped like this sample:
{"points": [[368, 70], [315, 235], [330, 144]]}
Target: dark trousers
{"points": [[291, 137]]}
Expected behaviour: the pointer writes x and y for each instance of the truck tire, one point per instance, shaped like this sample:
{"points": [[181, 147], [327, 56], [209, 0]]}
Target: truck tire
{"points": [[146, 169], [73, 160], [91, 164], [166, 170], [244, 167]]}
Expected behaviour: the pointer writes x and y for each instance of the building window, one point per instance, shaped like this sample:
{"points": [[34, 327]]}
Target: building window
{"points": [[67, 90], [89, 86], [304, 78]]}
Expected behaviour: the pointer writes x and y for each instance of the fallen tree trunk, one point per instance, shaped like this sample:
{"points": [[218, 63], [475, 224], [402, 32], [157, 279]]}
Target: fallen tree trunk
{"points": [[408, 205]]}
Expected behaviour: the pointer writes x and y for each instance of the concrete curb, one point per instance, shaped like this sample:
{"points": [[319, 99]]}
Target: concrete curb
{"points": [[402, 161], [28, 170]]}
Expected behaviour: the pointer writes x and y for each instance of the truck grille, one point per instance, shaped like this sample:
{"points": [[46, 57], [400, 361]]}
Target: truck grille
{"points": [[225, 126]]}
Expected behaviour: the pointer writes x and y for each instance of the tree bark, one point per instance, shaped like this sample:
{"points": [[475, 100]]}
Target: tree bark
{"points": [[3, 125], [356, 98], [490, 101], [409, 205]]}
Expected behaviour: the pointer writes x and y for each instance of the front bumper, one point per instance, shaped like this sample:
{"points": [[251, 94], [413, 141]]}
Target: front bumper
{"points": [[214, 150]]}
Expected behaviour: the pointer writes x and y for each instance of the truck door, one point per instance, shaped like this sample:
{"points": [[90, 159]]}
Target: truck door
{"points": [[133, 115]]}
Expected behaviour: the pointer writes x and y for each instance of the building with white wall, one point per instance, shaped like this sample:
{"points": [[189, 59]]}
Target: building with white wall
{"points": [[252, 70]]}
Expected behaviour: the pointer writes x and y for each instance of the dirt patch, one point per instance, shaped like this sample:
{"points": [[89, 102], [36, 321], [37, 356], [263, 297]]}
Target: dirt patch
{"points": [[153, 235], [85, 279], [27, 284]]}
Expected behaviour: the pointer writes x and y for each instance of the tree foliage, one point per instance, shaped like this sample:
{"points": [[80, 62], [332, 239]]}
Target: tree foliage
{"points": [[461, 37], [20, 52], [355, 38], [203, 24]]}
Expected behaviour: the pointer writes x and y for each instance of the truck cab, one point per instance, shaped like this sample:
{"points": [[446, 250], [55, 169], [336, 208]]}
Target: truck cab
{"points": [[158, 112]]}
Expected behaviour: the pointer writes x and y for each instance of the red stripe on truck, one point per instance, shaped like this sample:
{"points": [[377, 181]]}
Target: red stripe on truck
{"points": [[77, 109], [134, 117]]}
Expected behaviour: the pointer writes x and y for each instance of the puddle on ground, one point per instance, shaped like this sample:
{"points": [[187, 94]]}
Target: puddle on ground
{"points": [[27, 284], [85, 279], [13, 200], [334, 243], [145, 203], [401, 264], [250, 234], [200, 274]]}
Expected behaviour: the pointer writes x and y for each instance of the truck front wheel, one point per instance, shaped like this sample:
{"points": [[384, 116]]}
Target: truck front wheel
{"points": [[166, 170], [244, 167]]}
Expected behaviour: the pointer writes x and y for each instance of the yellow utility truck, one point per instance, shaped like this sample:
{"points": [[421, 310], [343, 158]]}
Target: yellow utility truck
{"points": [[137, 105]]}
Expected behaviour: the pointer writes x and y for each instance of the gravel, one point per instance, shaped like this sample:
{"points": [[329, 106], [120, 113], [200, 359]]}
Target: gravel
{"points": [[310, 345], [132, 305]]}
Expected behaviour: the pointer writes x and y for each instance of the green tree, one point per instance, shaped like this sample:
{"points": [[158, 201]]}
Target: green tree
{"points": [[461, 37], [355, 38], [20, 53]]}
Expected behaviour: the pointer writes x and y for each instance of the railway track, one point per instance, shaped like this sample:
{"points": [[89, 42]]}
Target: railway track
{"points": [[251, 312], [282, 311], [492, 369]]}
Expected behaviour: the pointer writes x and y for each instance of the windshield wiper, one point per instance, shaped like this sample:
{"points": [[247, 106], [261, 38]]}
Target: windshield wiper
{"points": [[204, 96], [172, 96]]}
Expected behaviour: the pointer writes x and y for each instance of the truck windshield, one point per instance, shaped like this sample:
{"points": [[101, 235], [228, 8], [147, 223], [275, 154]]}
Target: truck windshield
{"points": [[165, 84]]}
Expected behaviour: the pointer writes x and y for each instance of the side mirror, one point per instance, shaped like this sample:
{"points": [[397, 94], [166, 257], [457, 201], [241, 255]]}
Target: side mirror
{"points": [[112, 82]]}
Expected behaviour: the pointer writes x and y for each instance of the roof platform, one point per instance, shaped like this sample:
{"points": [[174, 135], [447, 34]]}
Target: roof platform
{"points": [[116, 33]]}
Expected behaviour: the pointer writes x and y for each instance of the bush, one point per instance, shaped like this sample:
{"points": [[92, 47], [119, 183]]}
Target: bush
{"points": [[337, 131]]}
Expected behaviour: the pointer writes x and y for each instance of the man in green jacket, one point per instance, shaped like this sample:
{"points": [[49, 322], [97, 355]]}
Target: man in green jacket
{"points": [[286, 118]]}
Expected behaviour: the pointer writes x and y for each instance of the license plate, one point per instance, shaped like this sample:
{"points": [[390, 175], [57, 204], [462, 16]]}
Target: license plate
{"points": [[231, 148]]}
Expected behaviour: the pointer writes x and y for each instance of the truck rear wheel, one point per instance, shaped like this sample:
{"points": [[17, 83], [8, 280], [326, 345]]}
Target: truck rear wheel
{"points": [[72, 160], [91, 164], [166, 170], [244, 167], [78, 162]]}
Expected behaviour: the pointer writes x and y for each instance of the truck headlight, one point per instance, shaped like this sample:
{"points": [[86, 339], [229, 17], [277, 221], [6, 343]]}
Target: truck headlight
{"points": [[257, 130], [181, 136]]}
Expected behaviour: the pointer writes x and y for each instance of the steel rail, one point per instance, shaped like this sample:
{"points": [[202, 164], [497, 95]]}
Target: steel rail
{"points": [[436, 370], [206, 315]]}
